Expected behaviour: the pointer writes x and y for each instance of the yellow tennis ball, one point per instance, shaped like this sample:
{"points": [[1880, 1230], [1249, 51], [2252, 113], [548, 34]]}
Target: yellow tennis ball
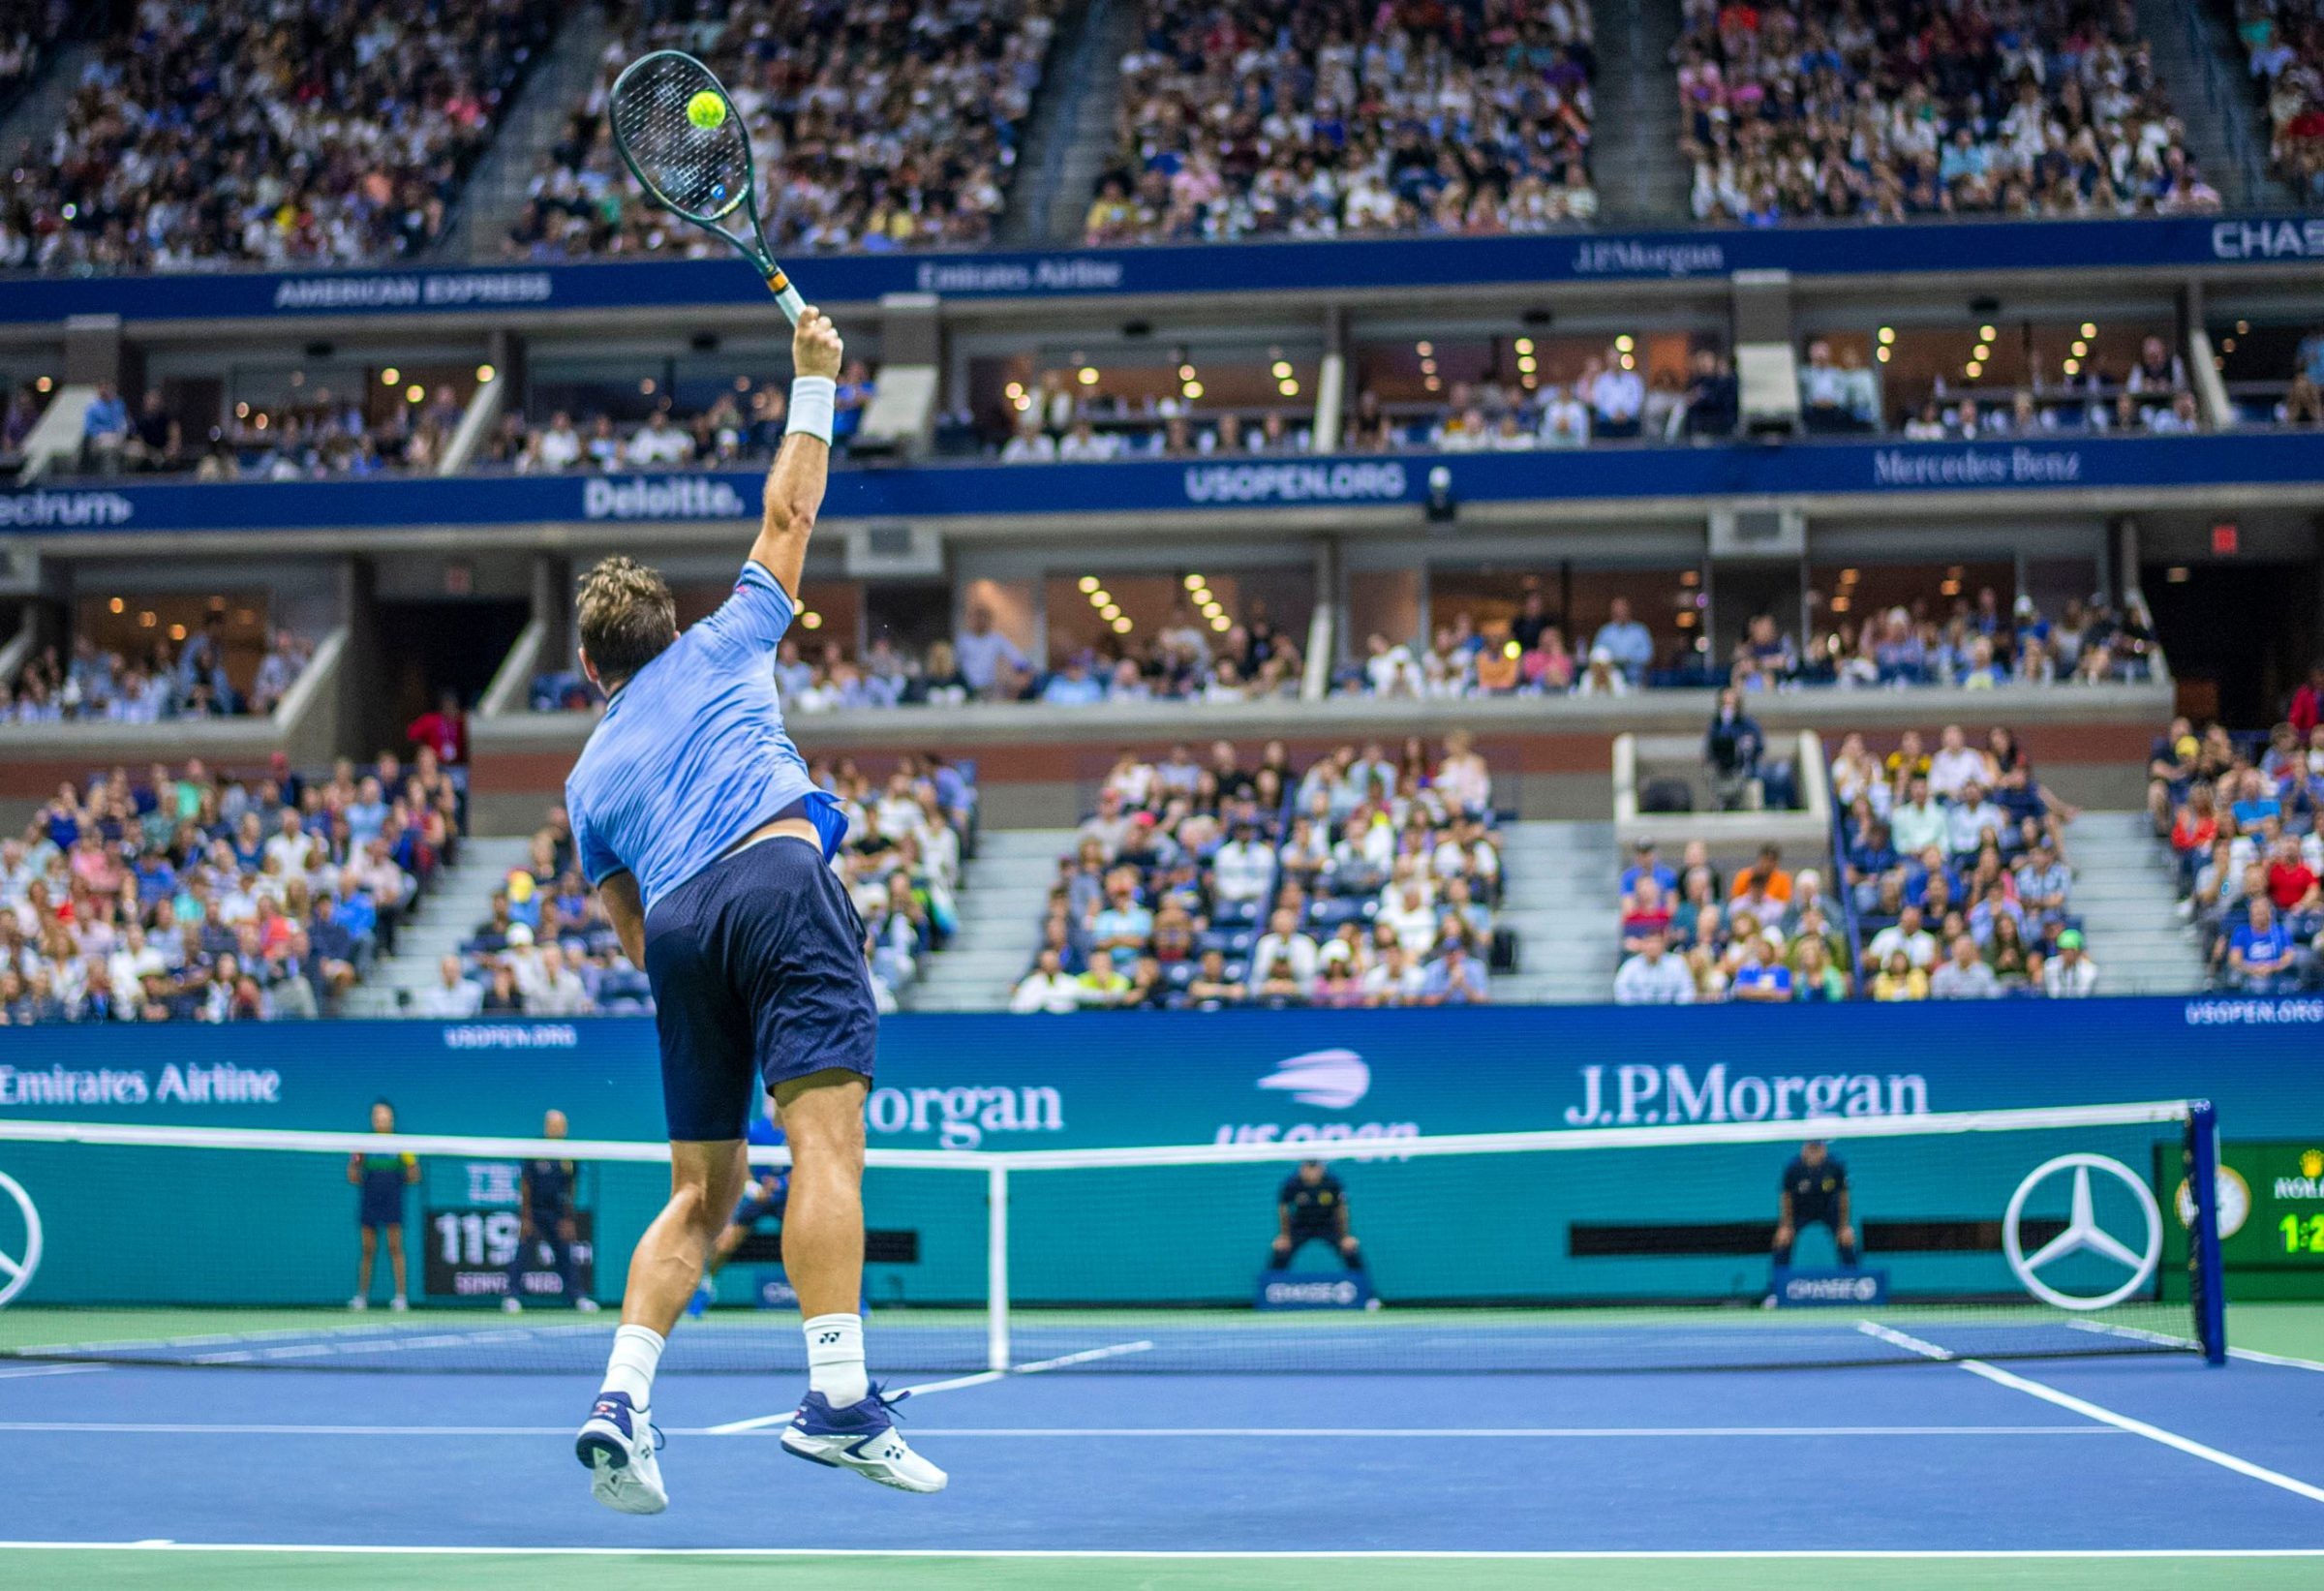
{"points": [[706, 110]]}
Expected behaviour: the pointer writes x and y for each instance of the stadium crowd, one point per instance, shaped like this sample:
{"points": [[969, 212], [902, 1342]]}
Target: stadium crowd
{"points": [[2241, 817], [1950, 882], [29, 30], [1300, 118], [743, 426], [1839, 394], [280, 132], [1923, 108], [167, 680], [2283, 43], [547, 948], [203, 896], [876, 128], [1205, 884]]}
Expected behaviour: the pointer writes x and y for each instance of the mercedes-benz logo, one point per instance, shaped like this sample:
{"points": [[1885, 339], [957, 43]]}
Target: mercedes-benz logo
{"points": [[16, 1269], [2083, 1233]]}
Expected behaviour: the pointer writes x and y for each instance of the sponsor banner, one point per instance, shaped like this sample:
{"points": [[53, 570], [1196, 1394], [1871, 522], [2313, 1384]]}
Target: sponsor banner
{"points": [[1823, 468], [1291, 1077], [1798, 1287], [1313, 1290], [1391, 263]]}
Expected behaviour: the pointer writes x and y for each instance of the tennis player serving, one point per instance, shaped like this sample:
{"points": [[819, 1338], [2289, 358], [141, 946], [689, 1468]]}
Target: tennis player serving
{"points": [[696, 819]]}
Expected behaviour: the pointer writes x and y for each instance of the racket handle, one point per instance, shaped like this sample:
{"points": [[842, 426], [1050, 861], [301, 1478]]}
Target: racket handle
{"points": [[785, 294]]}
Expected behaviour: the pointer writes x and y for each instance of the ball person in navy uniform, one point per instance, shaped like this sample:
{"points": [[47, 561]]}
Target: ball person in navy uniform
{"points": [[383, 1178], [1313, 1209], [1815, 1193], [546, 1191]]}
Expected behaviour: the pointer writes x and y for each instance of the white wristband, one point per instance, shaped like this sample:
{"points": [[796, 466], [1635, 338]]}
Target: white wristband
{"points": [[813, 398]]}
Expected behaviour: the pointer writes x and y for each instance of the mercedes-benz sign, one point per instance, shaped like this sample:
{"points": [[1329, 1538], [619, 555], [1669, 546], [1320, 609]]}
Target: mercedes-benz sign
{"points": [[19, 1250], [2083, 1233]]}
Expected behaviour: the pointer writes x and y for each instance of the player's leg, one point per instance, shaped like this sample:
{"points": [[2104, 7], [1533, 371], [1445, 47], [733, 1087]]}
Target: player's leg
{"points": [[364, 1268], [845, 1422], [527, 1250], [567, 1235], [708, 1081], [395, 1266]]}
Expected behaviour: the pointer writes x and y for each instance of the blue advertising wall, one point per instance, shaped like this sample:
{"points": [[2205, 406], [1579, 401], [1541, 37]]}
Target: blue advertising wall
{"points": [[221, 1227], [1866, 469], [1412, 264]]}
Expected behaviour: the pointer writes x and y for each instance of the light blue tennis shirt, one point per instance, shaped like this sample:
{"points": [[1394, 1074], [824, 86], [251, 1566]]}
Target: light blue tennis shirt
{"points": [[690, 755]]}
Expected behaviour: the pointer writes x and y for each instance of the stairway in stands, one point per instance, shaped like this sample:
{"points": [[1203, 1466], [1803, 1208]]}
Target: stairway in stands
{"points": [[1002, 891], [2205, 75], [460, 899], [1070, 134], [1562, 901], [495, 193], [1641, 178], [2126, 891]]}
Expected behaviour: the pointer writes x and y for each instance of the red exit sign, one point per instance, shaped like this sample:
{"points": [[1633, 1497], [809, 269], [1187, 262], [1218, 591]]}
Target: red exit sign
{"points": [[2226, 541]]}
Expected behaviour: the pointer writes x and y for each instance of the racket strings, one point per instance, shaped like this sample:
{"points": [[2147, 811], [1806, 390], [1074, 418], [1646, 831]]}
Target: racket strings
{"points": [[700, 173]]}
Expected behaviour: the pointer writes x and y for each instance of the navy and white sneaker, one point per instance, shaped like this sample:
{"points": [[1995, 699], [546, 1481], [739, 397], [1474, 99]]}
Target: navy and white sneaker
{"points": [[861, 1437], [618, 1443]]}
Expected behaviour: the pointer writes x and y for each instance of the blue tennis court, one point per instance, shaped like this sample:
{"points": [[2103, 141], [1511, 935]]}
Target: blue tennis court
{"points": [[2143, 1455]]}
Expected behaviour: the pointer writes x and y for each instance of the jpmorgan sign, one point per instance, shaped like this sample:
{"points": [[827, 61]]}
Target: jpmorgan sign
{"points": [[1638, 1093]]}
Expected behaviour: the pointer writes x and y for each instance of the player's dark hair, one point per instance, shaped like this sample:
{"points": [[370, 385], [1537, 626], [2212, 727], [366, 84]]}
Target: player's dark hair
{"points": [[628, 618]]}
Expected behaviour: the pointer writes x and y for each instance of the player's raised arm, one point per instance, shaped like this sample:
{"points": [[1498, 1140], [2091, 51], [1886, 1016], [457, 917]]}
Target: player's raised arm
{"points": [[795, 484]]}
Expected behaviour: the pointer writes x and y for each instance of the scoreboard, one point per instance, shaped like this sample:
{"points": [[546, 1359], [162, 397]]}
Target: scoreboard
{"points": [[2270, 1199], [469, 1225]]}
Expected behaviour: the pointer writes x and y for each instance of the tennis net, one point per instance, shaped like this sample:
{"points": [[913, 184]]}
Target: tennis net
{"points": [[1993, 1235]]}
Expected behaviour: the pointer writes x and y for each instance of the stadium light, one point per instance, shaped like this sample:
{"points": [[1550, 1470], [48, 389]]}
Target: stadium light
{"points": [[116, 604], [1088, 584], [810, 621], [1525, 345], [1985, 333], [1888, 336], [1882, 355], [1089, 374], [1625, 343], [1192, 390], [45, 384], [2089, 328], [1425, 349], [390, 376], [1099, 597], [1222, 623], [1288, 388], [486, 375], [1109, 613], [1194, 582], [2073, 367], [1185, 372], [411, 394], [1282, 369], [1123, 626], [178, 632]]}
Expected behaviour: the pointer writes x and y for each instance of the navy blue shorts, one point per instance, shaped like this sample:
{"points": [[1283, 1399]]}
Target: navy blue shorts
{"points": [[758, 976], [383, 1202]]}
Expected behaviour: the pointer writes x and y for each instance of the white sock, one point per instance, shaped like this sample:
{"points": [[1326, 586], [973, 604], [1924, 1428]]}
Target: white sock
{"points": [[636, 1351], [835, 1359]]}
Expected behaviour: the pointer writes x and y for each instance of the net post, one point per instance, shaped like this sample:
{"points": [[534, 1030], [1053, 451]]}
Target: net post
{"points": [[997, 1266], [2208, 1272]]}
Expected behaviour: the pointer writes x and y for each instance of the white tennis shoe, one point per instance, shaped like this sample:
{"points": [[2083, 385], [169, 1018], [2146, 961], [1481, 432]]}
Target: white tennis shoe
{"points": [[861, 1437], [617, 1443]]}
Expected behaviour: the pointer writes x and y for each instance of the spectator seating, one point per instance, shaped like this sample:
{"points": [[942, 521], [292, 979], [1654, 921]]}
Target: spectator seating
{"points": [[547, 948], [1200, 885], [2284, 41], [1293, 118], [2240, 815], [171, 681], [1949, 880], [876, 128], [2049, 107], [212, 897], [29, 30], [280, 132]]}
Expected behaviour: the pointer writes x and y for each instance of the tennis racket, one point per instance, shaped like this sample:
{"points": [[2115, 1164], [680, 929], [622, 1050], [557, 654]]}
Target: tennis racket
{"points": [[680, 137]]}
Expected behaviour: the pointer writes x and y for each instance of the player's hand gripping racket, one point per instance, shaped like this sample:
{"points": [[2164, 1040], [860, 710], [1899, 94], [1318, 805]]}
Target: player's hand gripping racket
{"points": [[679, 134]]}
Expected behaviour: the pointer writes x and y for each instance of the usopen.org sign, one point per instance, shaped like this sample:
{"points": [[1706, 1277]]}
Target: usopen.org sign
{"points": [[1367, 482], [1647, 1094]]}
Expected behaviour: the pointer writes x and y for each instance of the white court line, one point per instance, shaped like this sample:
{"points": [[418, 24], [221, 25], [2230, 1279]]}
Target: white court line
{"points": [[2098, 1412], [983, 1378], [2139, 1333], [16, 1374], [1404, 1554], [1018, 1432]]}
